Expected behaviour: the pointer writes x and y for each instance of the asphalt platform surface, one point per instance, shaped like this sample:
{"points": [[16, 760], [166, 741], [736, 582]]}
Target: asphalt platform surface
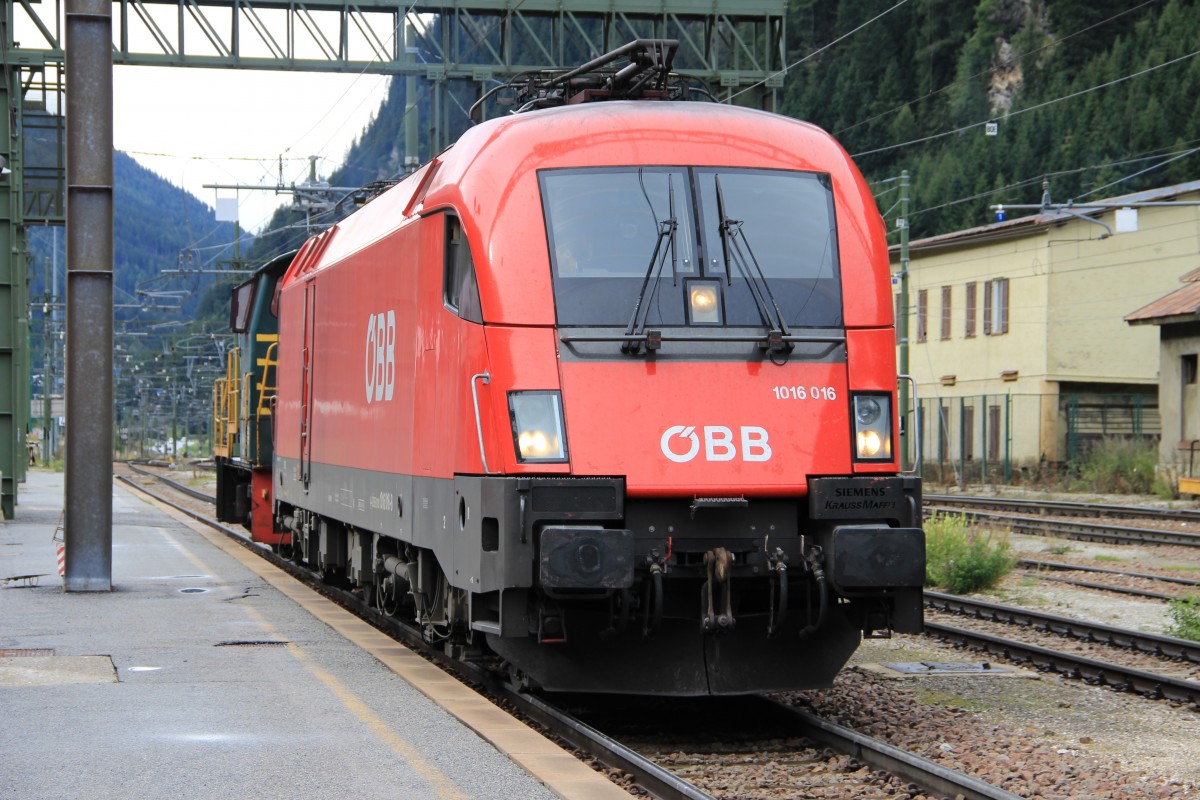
{"points": [[196, 678]]}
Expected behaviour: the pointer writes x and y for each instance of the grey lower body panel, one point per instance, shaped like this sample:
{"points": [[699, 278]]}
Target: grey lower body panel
{"points": [[679, 659]]}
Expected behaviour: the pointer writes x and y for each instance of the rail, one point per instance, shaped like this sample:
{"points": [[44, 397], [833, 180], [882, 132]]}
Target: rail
{"points": [[1062, 508], [176, 485], [1153, 643], [880, 755], [1070, 529], [1148, 684]]}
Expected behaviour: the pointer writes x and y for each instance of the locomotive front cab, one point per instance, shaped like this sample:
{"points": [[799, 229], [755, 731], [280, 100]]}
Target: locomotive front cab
{"points": [[732, 440]]}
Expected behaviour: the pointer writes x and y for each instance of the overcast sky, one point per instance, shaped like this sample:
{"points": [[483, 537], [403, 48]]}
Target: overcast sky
{"points": [[196, 127]]}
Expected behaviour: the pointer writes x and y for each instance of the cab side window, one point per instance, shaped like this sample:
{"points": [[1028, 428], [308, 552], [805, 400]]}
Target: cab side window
{"points": [[460, 289]]}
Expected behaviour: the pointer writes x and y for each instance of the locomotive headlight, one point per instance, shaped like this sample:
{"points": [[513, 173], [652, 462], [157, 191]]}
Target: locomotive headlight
{"points": [[872, 427], [869, 444], [704, 301], [866, 410], [538, 430]]}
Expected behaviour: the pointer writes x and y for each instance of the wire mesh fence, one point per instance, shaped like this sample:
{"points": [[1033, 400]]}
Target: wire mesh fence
{"points": [[1012, 438]]}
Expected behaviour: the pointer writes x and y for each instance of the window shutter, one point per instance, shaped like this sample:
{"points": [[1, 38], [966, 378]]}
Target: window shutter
{"points": [[922, 314], [987, 308], [1002, 286], [946, 296], [971, 295]]}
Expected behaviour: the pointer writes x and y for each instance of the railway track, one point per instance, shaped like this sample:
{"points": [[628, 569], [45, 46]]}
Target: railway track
{"points": [[1152, 643], [1072, 529], [1061, 508], [930, 777], [1044, 570], [1149, 684], [174, 484]]}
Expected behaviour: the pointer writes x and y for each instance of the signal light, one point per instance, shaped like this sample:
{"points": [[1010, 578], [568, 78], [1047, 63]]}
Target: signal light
{"points": [[704, 301]]}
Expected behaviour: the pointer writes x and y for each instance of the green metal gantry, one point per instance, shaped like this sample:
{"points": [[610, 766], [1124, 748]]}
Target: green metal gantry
{"points": [[31, 193], [737, 46], [14, 323]]}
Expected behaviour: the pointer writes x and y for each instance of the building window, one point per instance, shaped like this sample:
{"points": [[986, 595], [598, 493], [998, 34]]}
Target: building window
{"points": [[1187, 369], [971, 296], [945, 312], [922, 315], [995, 307]]}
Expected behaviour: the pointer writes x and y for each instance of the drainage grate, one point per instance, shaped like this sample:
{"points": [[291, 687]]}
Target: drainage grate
{"points": [[945, 668], [31, 653], [252, 643]]}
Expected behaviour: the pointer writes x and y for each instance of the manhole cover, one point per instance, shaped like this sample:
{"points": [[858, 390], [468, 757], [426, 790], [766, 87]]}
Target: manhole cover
{"points": [[192, 591], [945, 668]]}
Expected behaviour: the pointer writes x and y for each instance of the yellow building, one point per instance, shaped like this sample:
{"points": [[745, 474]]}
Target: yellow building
{"points": [[1017, 336], [1178, 319]]}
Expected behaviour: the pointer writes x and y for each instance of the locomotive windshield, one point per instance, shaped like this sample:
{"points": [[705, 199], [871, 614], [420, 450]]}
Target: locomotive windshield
{"points": [[674, 246]]}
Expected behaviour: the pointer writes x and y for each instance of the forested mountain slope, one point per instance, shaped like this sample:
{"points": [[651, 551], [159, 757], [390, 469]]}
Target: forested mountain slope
{"points": [[1086, 92], [156, 227], [1083, 92]]}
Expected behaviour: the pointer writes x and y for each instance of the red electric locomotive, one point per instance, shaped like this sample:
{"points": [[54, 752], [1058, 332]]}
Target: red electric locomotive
{"points": [[607, 390]]}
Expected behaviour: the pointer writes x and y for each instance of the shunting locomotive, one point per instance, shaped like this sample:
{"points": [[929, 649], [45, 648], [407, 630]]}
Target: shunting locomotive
{"points": [[606, 393]]}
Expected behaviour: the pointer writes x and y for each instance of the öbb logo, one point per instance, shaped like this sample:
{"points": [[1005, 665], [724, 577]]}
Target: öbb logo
{"points": [[719, 443], [381, 356]]}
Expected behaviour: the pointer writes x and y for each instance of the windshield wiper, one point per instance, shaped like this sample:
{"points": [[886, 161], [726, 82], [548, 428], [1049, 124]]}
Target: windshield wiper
{"points": [[666, 234], [731, 251]]}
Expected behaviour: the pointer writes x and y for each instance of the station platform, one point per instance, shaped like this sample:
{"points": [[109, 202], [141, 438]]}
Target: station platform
{"points": [[204, 674]]}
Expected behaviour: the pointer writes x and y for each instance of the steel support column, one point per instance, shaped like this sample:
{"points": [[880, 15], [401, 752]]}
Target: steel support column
{"points": [[88, 521]]}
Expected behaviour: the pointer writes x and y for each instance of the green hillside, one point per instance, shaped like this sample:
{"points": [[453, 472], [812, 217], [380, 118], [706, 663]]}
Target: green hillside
{"points": [[1085, 93], [156, 226]]}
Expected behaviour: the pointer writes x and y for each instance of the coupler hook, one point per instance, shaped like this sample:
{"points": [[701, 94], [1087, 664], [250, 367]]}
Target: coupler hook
{"points": [[718, 563]]}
